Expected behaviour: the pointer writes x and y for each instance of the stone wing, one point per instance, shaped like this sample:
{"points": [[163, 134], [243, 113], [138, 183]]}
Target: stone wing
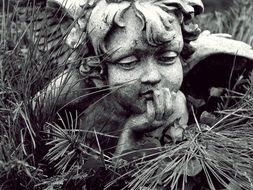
{"points": [[38, 31], [37, 25], [217, 65]]}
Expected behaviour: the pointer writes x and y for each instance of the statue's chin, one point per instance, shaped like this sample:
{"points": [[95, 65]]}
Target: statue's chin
{"points": [[135, 107]]}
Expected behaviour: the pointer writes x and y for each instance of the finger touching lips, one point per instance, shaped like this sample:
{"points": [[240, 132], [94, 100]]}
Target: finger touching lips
{"points": [[168, 102], [159, 104], [150, 111]]}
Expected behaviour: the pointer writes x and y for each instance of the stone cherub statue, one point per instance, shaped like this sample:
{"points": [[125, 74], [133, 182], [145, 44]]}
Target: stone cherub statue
{"points": [[134, 55]]}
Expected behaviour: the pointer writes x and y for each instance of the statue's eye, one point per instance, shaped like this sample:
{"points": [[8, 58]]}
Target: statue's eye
{"points": [[167, 58], [128, 62]]}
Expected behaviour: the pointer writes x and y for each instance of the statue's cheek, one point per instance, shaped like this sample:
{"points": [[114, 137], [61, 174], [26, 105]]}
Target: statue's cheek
{"points": [[173, 77], [117, 76]]}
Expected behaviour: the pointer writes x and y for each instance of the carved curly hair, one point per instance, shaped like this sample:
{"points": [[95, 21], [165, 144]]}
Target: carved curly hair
{"points": [[100, 16]]}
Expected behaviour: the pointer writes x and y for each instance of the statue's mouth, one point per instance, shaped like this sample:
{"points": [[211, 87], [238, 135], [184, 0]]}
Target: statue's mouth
{"points": [[148, 95]]}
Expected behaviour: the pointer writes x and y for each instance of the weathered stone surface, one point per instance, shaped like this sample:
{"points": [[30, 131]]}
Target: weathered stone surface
{"points": [[135, 55]]}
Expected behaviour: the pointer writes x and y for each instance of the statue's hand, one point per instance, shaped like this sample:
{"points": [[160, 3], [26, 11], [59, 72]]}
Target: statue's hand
{"points": [[158, 112]]}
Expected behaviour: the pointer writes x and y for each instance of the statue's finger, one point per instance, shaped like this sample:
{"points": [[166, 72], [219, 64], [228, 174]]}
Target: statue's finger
{"points": [[150, 111], [159, 104], [168, 103]]}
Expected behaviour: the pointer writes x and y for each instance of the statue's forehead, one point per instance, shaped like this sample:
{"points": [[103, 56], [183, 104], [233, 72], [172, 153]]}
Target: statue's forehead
{"points": [[155, 19], [131, 25], [132, 37]]}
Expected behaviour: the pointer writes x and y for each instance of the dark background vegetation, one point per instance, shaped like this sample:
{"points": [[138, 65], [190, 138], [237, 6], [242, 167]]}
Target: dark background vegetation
{"points": [[222, 5]]}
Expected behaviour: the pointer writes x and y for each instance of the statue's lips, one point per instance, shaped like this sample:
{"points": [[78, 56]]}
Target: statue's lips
{"points": [[148, 95]]}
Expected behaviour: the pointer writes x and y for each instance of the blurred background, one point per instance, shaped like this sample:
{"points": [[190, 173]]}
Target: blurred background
{"points": [[210, 5], [217, 5]]}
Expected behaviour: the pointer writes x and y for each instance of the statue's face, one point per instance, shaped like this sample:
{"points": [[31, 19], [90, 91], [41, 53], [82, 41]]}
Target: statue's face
{"points": [[140, 67]]}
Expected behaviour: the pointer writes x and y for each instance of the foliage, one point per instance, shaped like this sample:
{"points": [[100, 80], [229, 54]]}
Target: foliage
{"points": [[48, 151], [236, 21]]}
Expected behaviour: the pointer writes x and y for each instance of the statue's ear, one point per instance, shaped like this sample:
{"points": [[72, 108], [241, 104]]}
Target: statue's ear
{"points": [[215, 62], [76, 37], [92, 70]]}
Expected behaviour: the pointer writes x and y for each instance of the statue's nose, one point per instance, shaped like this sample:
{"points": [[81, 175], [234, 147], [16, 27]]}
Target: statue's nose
{"points": [[151, 73]]}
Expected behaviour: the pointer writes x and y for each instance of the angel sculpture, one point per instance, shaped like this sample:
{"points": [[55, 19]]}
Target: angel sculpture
{"points": [[136, 54], [132, 59]]}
